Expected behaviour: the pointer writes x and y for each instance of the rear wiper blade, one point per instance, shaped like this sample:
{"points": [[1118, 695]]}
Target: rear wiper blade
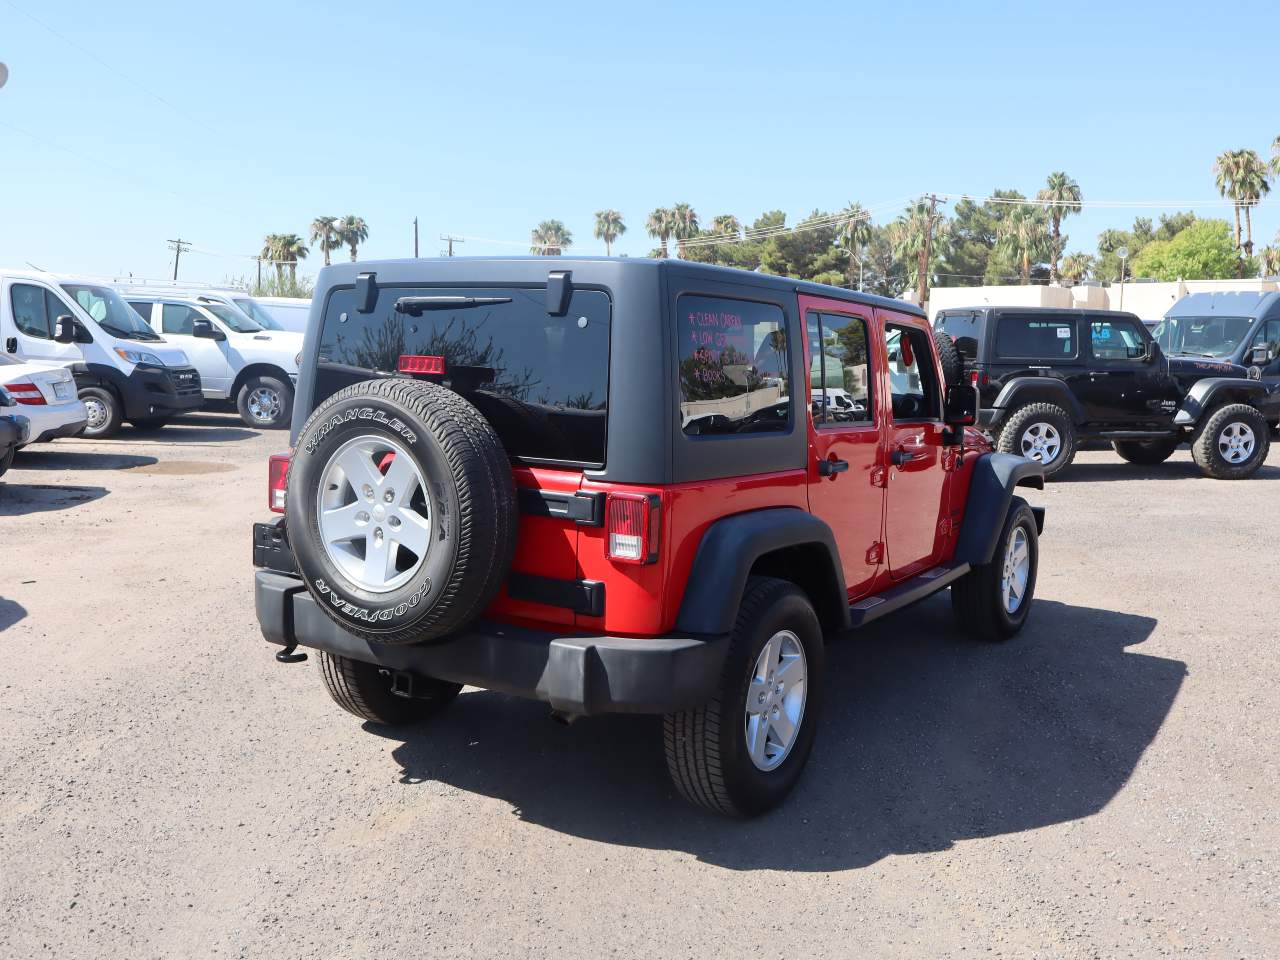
{"points": [[417, 306]]}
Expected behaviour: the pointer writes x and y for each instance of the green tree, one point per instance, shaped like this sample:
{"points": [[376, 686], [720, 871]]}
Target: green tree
{"points": [[1270, 261], [1077, 266], [353, 231], [659, 225], [684, 225], [1172, 224], [972, 256], [1203, 251], [1253, 180], [854, 233], [1024, 236], [609, 227], [550, 238], [1275, 155], [284, 250], [1061, 196], [324, 233], [726, 225], [919, 238]]}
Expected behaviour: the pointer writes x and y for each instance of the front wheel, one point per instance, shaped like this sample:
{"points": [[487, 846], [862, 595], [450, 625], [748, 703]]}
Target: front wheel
{"points": [[1042, 432], [1232, 442], [992, 601], [104, 414], [742, 751], [364, 689], [1145, 452], [149, 423], [265, 403]]}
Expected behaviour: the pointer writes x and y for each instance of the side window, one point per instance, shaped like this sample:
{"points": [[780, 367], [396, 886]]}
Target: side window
{"points": [[142, 309], [839, 369], [1269, 335], [55, 308], [1028, 336], [1115, 339], [30, 313], [176, 319], [913, 383], [733, 366]]}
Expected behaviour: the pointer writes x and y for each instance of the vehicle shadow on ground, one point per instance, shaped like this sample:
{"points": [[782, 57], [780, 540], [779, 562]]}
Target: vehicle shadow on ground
{"points": [[1170, 470], [20, 499], [10, 612], [68, 458], [927, 739], [193, 428]]}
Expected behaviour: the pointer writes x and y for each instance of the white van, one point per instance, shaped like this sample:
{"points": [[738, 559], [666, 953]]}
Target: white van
{"points": [[238, 360], [122, 369]]}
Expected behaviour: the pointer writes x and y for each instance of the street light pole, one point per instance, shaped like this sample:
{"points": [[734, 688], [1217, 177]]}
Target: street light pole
{"points": [[1123, 254]]}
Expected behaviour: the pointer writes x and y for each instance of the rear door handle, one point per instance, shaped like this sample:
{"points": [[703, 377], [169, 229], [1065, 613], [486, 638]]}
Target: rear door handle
{"points": [[829, 468], [903, 456]]}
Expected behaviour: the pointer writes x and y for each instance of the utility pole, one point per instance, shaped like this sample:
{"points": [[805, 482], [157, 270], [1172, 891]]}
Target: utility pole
{"points": [[179, 247], [451, 241], [415, 238], [259, 259], [922, 280]]}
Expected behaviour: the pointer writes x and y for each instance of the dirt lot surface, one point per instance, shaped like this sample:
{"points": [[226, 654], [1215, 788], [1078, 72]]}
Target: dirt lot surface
{"points": [[1105, 785]]}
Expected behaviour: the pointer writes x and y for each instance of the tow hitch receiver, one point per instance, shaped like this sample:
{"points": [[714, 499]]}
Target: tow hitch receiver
{"points": [[403, 684]]}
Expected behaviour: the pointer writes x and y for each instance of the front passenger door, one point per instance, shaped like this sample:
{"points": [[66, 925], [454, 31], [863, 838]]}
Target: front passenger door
{"points": [[917, 481], [1118, 385], [207, 356]]}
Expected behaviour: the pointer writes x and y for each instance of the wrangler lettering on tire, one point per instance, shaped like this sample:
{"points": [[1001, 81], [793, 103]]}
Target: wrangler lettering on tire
{"points": [[402, 510]]}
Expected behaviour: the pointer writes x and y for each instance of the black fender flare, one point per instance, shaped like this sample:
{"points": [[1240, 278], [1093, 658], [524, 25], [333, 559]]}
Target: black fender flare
{"points": [[995, 475], [730, 548], [1210, 392], [1023, 390]]}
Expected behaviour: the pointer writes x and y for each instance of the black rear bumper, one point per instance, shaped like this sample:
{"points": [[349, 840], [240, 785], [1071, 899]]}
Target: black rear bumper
{"points": [[575, 674]]}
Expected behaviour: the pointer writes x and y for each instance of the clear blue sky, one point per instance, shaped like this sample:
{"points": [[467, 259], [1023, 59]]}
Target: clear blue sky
{"points": [[482, 119]]}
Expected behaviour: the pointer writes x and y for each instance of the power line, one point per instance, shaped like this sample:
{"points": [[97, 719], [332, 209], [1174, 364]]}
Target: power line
{"points": [[178, 247]]}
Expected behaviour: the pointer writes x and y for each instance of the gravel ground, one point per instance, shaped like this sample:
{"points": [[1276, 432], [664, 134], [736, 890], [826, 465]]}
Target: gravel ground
{"points": [[1104, 786]]}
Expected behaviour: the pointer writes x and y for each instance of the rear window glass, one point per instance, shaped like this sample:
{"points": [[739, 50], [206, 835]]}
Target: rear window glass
{"points": [[542, 381], [734, 376], [964, 328], [1035, 336]]}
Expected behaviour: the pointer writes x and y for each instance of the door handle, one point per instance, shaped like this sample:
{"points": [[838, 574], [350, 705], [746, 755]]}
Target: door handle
{"points": [[829, 468], [903, 456], [1099, 373]]}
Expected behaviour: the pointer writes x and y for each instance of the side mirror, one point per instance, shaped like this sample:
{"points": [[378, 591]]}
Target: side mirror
{"points": [[64, 330], [206, 330], [961, 406], [1260, 355]]}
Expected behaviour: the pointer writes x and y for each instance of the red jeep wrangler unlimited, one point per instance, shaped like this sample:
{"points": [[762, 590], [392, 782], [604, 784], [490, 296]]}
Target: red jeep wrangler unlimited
{"points": [[627, 485]]}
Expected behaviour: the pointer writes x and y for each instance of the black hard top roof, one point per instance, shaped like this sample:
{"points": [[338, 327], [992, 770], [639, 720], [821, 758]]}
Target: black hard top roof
{"points": [[1047, 311], [599, 270]]}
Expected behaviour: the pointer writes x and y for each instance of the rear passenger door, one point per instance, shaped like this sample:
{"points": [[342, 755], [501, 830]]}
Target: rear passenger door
{"points": [[846, 466], [914, 502]]}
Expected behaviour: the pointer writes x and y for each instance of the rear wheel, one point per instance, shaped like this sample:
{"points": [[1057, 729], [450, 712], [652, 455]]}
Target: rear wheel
{"points": [[742, 751], [1145, 452], [364, 689], [1042, 432], [265, 402], [1231, 443], [104, 413], [992, 601]]}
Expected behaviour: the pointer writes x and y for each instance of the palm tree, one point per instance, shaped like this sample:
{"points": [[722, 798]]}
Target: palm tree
{"points": [[1275, 154], [914, 237], [660, 225], [854, 233], [1270, 257], [1253, 180], [549, 239], [284, 249], [1062, 198], [684, 225], [1077, 266], [352, 231], [726, 225], [1226, 170], [324, 231], [1023, 235], [609, 227]]}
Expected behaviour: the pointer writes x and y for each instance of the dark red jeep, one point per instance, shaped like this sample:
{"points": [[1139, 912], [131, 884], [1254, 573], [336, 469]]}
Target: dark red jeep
{"points": [[627, 485]]}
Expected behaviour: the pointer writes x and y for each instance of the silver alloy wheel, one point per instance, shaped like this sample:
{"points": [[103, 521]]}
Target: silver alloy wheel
{"points": [[1042, 442], [775, 700], [1236, 443], [265, 404], [96, 413], [1017, 569], [374, 513]]}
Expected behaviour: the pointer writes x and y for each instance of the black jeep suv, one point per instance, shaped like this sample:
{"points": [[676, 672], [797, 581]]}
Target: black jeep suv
{"points": [[1048, 378]]}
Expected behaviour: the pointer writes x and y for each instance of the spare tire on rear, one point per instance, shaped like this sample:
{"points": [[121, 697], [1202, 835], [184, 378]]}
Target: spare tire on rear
{"points": [[952, 364], [401, 510]]}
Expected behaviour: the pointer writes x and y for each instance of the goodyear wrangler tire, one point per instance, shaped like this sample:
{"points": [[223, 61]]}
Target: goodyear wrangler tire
{"points": [[401, 510]]}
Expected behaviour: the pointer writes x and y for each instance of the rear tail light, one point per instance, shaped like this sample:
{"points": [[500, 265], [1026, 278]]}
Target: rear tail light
{"points": [[277, 474], [27, 393], [411, 363], [979, 378], [633, 524]]}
